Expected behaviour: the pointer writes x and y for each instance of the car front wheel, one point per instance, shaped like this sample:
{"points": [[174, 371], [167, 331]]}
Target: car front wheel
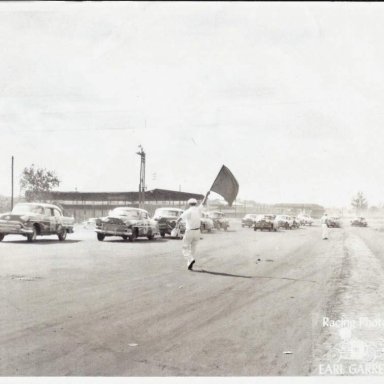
{"points": [[32, 237], [62, 233], [1, 236], [100, 236], [133, 237]]}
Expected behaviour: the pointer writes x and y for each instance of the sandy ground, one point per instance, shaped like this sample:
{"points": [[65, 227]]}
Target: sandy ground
{"points": [[254, 305]]}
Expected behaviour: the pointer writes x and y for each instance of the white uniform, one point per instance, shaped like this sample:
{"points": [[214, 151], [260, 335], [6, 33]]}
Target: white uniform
{"points": [[192, 217], [324, 226]]}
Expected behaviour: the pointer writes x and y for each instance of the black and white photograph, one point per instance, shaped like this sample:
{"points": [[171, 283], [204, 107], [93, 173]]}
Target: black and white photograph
{"points": [[191, 189]]}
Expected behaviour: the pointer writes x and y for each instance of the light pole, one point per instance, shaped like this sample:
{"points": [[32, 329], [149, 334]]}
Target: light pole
{"points": [[142, 177]]}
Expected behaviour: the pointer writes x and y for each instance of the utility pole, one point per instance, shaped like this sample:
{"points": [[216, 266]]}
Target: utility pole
{"points": [[142, 177], [12, 183]]}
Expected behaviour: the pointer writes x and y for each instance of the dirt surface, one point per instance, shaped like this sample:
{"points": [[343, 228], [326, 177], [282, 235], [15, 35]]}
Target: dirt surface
{"points": [[254, 305]]}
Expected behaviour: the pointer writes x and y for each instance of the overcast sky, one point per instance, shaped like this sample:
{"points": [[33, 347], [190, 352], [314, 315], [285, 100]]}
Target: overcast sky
{"points": [[289, 96]]}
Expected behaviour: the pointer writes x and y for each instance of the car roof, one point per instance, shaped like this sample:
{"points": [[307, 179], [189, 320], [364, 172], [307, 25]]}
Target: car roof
{"points": [[171, 209], [130, 209], [44, 205]]}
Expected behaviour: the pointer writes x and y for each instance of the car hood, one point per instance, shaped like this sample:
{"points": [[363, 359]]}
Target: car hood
{"points": [[119, 220], [17, 216]]}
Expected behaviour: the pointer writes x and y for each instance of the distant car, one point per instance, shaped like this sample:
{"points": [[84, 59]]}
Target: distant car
{"points": [[166, 218], [334, 222], [128, 223], [248, 220], [359, 222], [206, 223], [305, 219], [265, 222], [35, 219], [90, 223], [296, 222], [219, 220], [284, 221]]}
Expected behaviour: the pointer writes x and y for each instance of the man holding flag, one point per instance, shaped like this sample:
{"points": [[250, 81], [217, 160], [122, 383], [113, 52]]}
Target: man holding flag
{"points": [[192, 219], [225, 185]]}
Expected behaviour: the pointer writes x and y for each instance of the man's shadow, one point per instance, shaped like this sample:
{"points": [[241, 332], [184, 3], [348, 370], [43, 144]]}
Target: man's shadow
{"points": [[220, 273]]}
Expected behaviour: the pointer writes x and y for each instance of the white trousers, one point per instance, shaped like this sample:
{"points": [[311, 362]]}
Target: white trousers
{"points": [[325, 231], [190, 241]]}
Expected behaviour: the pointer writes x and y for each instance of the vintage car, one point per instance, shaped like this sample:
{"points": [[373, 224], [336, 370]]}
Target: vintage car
{"points": [[166, 218], [248, 220], [219, 220], [334, 222], [359, 222], [305, 219], [90, 223], [206, 223], [35, 219], [296, 222], [265, 222], [284, 221], [128, 223]]}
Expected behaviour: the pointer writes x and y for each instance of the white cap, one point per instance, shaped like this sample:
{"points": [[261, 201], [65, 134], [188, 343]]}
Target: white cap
{"points": [[192, 201]]}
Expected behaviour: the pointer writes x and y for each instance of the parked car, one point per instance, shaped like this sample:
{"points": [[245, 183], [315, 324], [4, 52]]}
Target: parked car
{"points": [[265, 222], [334, 222], [128, 223], [296, 222], [359, 222], [248, 220], [284, 221], [90, 223], [305, 219], [219, 220], [166, 218], [206, 223], [35, 219]]}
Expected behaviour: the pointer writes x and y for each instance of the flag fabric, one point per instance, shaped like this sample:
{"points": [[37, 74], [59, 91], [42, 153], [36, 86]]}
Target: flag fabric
{"points": [[226, 185]]}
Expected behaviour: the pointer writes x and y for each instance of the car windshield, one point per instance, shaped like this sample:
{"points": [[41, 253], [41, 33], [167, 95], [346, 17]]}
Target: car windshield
{"points": [[128, 213], [27, 208], [166, 213]]}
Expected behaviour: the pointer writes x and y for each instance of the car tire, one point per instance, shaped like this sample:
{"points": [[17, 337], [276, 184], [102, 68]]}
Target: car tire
{"points": [[32, 237], [151, 236], [125, 237], [162, 234], [62, 233], [100, 236], [1, 236], [133, 237]]}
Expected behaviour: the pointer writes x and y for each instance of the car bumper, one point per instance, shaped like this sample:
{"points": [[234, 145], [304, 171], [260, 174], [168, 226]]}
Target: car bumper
{"points": [[115, 232], [263, 225], [15, 229]]}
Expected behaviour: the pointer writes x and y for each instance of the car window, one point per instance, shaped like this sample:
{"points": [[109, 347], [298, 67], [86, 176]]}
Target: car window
{"points": [[48, 212], [144, 215], [56, 212]]}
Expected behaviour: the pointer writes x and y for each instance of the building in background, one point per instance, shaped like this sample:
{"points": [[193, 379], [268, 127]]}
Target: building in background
{"points": [[84, 205], [239, 209]]}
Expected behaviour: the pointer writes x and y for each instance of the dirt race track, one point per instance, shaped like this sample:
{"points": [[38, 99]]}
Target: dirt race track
{"points": [[254, 306]]}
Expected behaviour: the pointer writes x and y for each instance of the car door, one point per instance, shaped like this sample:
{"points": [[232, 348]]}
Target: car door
{"points": [[49, 221], [58, 218], [145, 223]]}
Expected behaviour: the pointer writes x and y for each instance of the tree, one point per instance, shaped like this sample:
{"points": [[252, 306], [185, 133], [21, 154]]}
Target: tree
{"points": [[34, 181], [359, 202]]}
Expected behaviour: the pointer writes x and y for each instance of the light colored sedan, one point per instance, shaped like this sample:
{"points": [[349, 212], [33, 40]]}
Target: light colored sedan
{"points": [[284, 221], [206, 223]]}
